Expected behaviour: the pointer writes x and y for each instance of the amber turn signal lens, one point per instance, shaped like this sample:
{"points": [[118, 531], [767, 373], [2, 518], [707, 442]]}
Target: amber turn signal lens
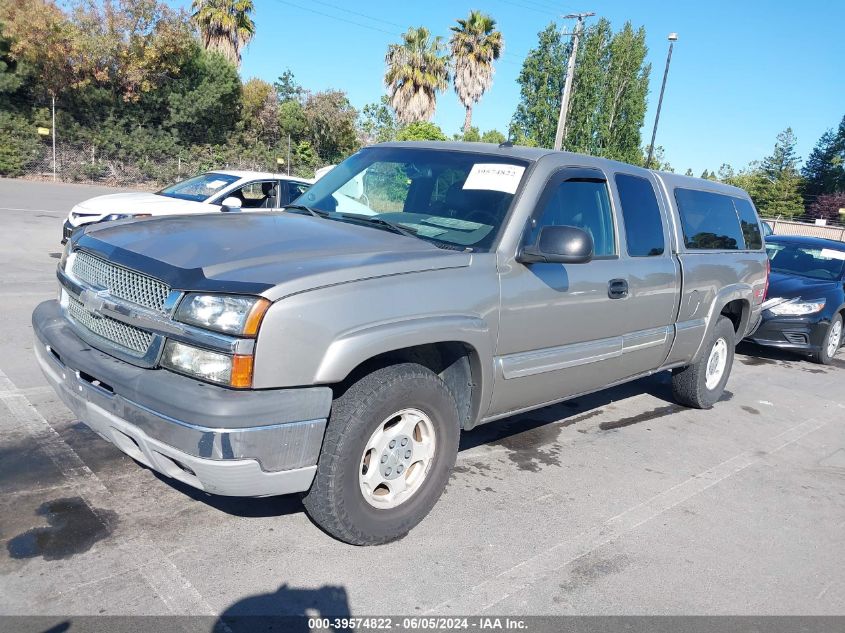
{"points": [[253, 320], [241, 372]]}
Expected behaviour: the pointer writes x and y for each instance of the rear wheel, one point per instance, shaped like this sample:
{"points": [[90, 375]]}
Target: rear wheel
{"points": [[389, 448], [832, 342], [701, 384]]}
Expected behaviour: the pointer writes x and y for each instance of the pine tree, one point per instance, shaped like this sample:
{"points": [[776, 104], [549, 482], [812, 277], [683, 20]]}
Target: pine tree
{"points": [[824, 171], [781, 195]]}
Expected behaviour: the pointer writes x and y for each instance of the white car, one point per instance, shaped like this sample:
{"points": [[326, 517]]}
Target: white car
{"points": [[213, 191]]}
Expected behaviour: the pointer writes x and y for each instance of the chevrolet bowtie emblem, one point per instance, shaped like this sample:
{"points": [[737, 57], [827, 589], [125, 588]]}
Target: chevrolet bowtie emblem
{"points": [[93, 301]]}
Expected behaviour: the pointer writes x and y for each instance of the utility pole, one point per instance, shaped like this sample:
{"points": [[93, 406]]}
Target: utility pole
{"points": [[673, 37], [570, 72], [54, 135]]}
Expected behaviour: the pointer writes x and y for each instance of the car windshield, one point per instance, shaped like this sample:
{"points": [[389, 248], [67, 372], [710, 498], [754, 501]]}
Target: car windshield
{"points": [[816, 263], [199, 188], [454, 199]]}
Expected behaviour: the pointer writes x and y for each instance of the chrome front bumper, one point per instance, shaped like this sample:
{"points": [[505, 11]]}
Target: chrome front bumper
{"points": [[239, 443]]}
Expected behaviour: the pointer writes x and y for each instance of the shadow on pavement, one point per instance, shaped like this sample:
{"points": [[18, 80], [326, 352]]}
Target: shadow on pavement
{"points": [[288, 609]]}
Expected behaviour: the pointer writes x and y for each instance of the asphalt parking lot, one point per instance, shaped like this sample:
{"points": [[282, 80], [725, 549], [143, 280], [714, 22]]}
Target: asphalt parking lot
{"points": [[616, 503]]}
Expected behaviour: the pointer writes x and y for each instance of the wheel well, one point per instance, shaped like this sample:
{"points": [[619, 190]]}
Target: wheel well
{"points": [[736, 311], [455, 362]]}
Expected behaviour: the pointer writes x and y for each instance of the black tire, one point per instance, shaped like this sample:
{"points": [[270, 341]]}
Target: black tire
{"points": [[335, 501], [822, 356], [689, 384]]}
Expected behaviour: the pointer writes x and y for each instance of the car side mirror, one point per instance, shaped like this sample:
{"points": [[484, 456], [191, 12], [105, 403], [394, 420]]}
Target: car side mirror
{"points": [[231, 204], [559, 245]]}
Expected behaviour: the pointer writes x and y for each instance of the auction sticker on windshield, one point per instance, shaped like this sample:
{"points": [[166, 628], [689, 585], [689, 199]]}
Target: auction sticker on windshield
{"points": [[829, 253], [494, 177]]}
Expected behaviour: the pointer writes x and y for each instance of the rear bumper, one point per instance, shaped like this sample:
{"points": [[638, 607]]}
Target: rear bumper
{"points": [[800, 334], [239, 443]]}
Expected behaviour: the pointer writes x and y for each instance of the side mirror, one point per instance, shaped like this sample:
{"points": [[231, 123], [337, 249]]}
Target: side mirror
{"points": [[559, 245], [231, 204]]}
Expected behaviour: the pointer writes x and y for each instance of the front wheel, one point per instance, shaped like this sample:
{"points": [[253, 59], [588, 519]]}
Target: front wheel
{"points": [[389, 448], [831, 343], [701, 384]]}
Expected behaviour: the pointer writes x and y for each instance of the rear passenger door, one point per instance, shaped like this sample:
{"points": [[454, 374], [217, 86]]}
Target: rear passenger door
{"points": [[650, 270]]}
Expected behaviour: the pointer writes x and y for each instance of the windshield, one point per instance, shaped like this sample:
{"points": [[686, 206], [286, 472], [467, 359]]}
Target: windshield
{"points": [[199, 188], [816, 263], [453, 199]]}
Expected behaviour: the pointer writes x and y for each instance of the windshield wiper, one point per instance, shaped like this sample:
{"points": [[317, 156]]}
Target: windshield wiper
{"points": [[309, 210], [381, 222]]}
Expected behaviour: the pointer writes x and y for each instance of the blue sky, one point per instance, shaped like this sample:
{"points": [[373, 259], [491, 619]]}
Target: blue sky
{"points": [[741, 72]]}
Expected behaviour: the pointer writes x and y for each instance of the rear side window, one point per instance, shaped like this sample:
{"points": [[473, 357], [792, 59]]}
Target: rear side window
{"points": [[709, 220], [643, 224], [749, 222]]}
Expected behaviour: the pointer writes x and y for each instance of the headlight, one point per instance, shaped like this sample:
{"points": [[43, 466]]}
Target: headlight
{"points": [[232, 371], [65, 253], [230, 314], [797, 307], [123, 216]]}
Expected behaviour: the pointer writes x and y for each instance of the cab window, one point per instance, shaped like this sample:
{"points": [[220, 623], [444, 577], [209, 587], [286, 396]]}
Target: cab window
{"points": [[641, 215]]}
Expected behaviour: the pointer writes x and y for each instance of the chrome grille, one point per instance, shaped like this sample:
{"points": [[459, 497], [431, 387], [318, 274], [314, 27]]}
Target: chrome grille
{"points": [[132, 339], [121, 282]]}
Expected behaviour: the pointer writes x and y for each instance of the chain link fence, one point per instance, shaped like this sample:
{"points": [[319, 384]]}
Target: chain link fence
{"points": [[86, 163]]}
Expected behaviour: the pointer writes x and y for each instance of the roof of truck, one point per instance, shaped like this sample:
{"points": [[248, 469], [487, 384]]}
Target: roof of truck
{"points": [[536, 153]]}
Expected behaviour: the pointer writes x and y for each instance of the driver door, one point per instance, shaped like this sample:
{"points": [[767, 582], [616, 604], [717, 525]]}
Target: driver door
{"points": [[561, 329]]}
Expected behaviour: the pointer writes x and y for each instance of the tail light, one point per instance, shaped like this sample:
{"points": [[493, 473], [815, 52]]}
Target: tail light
{"points": [[768, 273]]}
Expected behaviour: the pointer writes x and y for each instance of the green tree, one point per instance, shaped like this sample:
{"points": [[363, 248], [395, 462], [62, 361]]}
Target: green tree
{"points": [[377, 122], [287, 89], [292, 121], [19, 144], [331, 125], [207, 102], [226, 26], [540, 85], [609, 93], [417, 69], [421, 131], [260, 111], [44, 38], [781, 195], [134, 46], [475, 44], [493, 136], [824, 171]]}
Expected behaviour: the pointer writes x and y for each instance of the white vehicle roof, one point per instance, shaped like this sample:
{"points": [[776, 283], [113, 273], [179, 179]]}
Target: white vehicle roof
{"points": [[257, 174]]}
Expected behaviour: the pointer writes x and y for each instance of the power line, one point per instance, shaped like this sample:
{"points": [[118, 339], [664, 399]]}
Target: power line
{"points": [[338, 18], [363, 15]]}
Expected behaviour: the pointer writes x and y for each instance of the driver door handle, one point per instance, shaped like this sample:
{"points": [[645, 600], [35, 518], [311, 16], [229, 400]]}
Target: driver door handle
{"points": [[617, 288]]}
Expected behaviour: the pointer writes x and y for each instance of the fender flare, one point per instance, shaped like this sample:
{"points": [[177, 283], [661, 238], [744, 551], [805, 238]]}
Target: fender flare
{"points": [[354, 347], [742, 292]]}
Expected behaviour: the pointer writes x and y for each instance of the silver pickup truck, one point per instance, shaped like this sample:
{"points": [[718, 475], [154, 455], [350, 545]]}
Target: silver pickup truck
{"points": [[339, 347]]}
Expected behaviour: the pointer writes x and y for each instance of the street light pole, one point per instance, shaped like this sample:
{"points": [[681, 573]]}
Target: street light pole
{"points": [[673, 37]]}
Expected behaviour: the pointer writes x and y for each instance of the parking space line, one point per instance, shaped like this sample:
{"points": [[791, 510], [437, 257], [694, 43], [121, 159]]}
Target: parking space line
{"points": [[160, 573], [33, 210], [540, 567]]}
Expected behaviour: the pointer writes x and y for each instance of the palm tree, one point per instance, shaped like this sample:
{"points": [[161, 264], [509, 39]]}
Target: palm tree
{"points": [[226, 26], [475, 45], [416, 70]]}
